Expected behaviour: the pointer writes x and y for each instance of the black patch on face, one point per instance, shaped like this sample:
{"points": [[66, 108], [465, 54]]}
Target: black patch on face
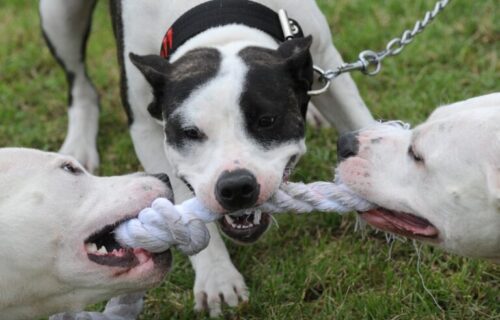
{"points": [[192, 70], [274, 89], [173, 131], [173, 83]]}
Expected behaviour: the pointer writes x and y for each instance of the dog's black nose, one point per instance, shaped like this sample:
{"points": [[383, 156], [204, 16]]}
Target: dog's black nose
{"points": [[237, 189], [347, 146], [163, 178]]}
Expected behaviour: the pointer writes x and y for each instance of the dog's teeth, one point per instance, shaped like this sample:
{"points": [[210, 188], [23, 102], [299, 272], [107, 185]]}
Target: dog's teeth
{"points": [[257, 216], [91, 247], [229, 219], [102, 250]]}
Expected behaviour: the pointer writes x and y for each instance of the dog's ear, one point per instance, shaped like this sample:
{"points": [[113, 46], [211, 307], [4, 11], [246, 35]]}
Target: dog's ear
{"points": [[298, 58], [155, 70], [299, 62], [153, 67]]}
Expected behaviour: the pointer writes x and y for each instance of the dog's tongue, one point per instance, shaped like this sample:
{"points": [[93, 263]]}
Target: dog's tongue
{"points": [[400, 223]]}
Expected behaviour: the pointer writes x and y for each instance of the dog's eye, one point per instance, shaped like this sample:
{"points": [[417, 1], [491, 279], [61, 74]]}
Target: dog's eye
{"points": [[414, 155], [193, 133], [69, 167], [266, 121]]}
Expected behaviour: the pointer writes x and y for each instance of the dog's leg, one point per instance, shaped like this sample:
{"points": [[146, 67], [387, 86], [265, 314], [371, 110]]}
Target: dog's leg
{"points": [[66, 25], [341, 104], [125, 307], [217, 279]]}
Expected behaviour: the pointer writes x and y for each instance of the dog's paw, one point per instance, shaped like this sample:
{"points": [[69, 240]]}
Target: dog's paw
{"points": [[83, 151], [220, 285]]}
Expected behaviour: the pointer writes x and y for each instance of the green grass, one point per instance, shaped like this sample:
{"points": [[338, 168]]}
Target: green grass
{"points": [[315, 266]]}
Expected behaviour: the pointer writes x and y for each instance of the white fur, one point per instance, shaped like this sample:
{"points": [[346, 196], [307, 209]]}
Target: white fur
{"points": [[145, 23], [83, 113], [458, 187], [46, 214]]}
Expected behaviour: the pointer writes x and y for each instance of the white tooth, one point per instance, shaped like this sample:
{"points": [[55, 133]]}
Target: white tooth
{"points": [[257, 216], [102, 250], [229, 219], [91, 247]]}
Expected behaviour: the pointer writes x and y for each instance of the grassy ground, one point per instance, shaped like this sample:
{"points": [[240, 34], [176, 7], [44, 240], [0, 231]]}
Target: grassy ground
{"points": [[313, 267]]}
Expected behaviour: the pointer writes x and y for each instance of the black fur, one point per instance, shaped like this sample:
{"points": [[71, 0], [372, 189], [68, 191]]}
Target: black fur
{"points": [[172, 83], [274, 100], [276, 86]]}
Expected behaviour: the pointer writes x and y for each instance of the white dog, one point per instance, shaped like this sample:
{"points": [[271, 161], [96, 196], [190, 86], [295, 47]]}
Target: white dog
{"points": [[56, 246], [438, 183], [223, 114]]}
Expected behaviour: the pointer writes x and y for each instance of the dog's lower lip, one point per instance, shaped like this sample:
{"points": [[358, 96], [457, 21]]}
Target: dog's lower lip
{"points": [[401, 223], [245, 228]]}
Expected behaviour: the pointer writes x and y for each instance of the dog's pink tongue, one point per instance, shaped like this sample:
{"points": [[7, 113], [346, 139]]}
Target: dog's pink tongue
{"points": [[400, 223]]}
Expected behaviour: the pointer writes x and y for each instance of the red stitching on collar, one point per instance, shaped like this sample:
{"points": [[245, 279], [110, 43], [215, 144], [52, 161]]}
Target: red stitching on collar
{"points": [[166, 44]]}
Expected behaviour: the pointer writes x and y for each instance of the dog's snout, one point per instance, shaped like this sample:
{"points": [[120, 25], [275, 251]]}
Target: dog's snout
{"points": [[237, 189], [347, 146], [163, 178]]}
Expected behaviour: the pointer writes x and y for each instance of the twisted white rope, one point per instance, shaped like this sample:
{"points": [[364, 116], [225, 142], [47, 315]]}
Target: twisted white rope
{"points": [[165, 225]]}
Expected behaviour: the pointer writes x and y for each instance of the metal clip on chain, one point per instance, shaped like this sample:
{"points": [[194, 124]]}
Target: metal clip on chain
{"points": [[370, 62]]}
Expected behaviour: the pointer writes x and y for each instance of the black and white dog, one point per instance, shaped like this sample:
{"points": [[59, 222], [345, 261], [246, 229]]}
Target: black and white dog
{"points": [[222, 115]]}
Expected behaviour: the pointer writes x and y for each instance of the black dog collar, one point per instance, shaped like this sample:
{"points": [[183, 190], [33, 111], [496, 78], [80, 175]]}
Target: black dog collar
{"points": [[216, 13]]}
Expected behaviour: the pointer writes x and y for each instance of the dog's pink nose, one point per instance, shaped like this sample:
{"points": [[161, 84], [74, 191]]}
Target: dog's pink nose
{"points": [[237, 189]]}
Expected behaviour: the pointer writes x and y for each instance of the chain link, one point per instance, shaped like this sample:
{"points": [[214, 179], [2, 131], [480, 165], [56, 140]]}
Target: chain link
{"points": [[370, 62]]}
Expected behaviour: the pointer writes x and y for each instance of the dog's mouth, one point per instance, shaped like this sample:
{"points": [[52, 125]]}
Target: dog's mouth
{"points": [[401, 223], [249, 226], [102, 248], [245, 228]]}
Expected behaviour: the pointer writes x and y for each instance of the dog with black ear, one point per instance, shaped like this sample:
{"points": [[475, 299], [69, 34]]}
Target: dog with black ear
{"points": [[291, 64], [222, 112], [259, 94], [234, 123]]}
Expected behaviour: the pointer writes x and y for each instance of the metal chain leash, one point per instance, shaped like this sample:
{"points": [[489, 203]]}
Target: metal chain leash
{"points": [[370, 62]]}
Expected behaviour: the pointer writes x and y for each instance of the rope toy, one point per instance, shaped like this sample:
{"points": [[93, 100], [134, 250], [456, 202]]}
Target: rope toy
{"points": [[166, 225]]}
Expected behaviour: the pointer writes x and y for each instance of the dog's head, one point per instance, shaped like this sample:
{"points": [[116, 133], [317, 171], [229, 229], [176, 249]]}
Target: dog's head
{"points": [[234, 122], [56, 227], [439, 182]]}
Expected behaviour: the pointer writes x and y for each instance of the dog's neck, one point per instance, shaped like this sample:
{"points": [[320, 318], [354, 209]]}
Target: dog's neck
{"points": [[228, 35]]}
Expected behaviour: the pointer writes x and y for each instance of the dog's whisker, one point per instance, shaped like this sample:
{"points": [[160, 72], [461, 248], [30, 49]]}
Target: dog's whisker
{"points": [[418, 249]]}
